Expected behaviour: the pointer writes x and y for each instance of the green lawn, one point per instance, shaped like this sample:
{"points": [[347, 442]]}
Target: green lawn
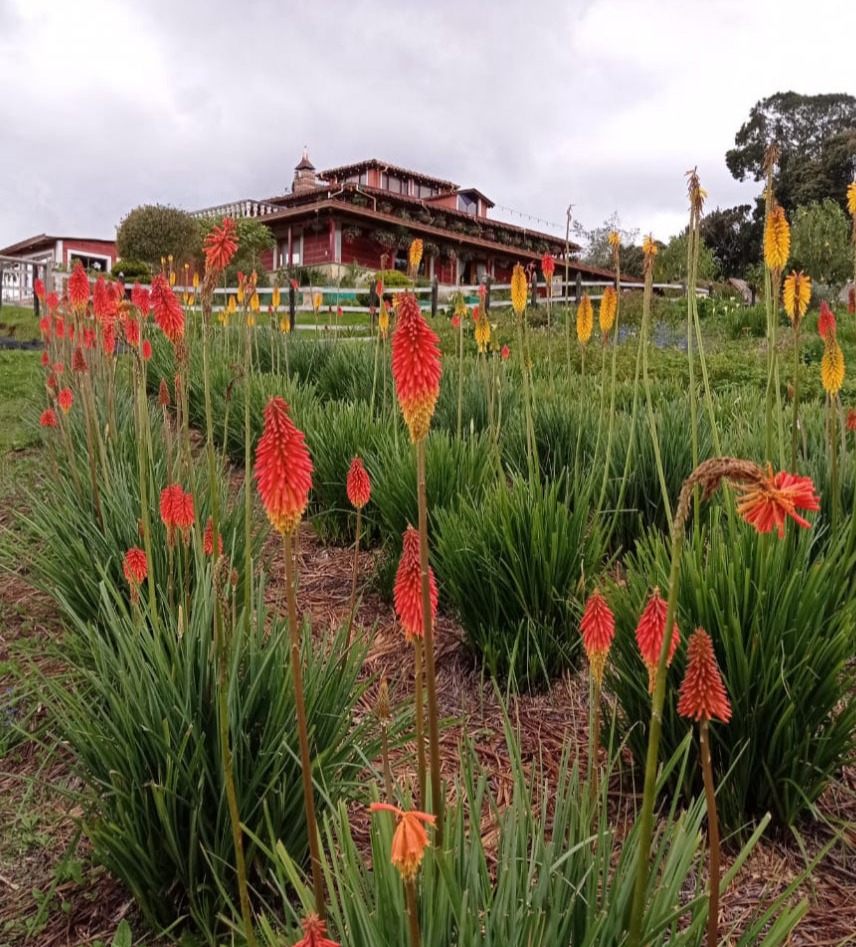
{"points": [[18, 323]]}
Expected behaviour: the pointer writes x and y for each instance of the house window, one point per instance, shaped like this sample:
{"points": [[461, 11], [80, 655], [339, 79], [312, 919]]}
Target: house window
{"points": [[89, 262], [425, 190], [352, 179], [389, 182], [468, 204]]}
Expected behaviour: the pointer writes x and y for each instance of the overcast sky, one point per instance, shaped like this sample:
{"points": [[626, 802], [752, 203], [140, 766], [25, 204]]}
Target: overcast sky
{"points": [[107, 104]]}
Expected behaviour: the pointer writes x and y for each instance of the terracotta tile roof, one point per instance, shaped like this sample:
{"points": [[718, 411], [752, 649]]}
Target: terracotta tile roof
{"points": [[42, 239], [346, 169]]}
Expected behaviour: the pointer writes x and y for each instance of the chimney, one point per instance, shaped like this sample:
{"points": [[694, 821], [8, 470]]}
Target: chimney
{"points": [[304, 175]]}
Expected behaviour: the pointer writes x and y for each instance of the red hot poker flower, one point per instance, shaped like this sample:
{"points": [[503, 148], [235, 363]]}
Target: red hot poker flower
{"points": [[88, 337], [703, 695], [220, 245], [135, 565], [167, 309], [108, 338], [504, 353], [171, 510], [48, 418], [851, 419], [208, 539], [283, 468], [132, 331], [45, 327], [39, 289], [598, 628], [141, 299], [78, 288], [52, 302], [65, 399], [358, 485], [315, 933], [46, 359], [825, 321], [407, 594], [548, 266], [649, 636], [415, 367], [146, 350], [59, 328], [78, 362], [103, 302], [769, 504], [185, 516], [410, 839]]}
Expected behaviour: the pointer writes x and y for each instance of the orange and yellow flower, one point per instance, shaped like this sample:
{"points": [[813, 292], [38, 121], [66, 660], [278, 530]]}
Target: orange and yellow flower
{"points": [[585, 319], [358, 484], [283, 468], [410, 839], [598, 629], [78, 288], [519, 289], [415, 254], [768, 504], [702, 694], [608, 308], [548, 266], [415, 367], [65, 399], [851, 199], [826, 321], [167, 309], [208, 539], [649, 250], [777, 239], [407, 594], [832, 365], [649, 636], [315, 933], [796, 295], [48, 418], [220, 245], [482, 333]]}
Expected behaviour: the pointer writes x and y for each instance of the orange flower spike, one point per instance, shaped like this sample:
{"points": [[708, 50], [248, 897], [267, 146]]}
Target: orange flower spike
{"points": [[777, 239], [598, 629], [415, 254], [519, 289], [208, 539], [65, 399], [78, 288], [167, 309], [410, 839], [283, 468], [358, 485], [608, 308], [832, 366], [769, 504], [585, 319], [315, 933], [407, 594], [649, 636], [220, 245], [702, 694], [415, 367], [141, 298]]}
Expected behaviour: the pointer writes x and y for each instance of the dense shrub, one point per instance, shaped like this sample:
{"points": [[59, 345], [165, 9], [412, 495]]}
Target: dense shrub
{"points": [[130, 270], [782, 620], [515, 565]]}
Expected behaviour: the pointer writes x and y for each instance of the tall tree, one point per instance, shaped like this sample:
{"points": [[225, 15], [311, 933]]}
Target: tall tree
{"points": [[817, 138], [734, 236], [597, 250], [820, 243]]}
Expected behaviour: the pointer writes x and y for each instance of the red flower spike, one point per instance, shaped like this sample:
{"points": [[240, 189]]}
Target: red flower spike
{"points": [[58, 368], [167, 309], [146, 350], [768, 505], [132, 331], [456, 321], [702, 695], [108, 338], [141, 298], [52, 302], [46, 359], [45, 328], [220, 245], [283, 468], [47, 418], [315, 933], [825, 321], [59, 328], [505, 351], [65, 399], [851, 419], [38, 289], [415, 367], [171, 502], [548, 266], [185, 515], [88, 337], [358, 485], [136, 568], [407, 594], [208, 539], [598, 628], [103, 301], [649, 636], [78, 288], [78, 362]]}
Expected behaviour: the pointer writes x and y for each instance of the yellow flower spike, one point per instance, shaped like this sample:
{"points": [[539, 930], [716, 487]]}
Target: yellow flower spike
{"points": [[851, 199], [482, 334], [519, 289], [796, 295], [232, 305], [251, 320], [285, 324], [275, 297], [383, 319], [317, 299], [415, 256], [832, 366], [255, 303], [172, 278], [649, 248], [585, 319], [240, 294], [614, 239], [608, 307], [777, 239], [196, 281]]}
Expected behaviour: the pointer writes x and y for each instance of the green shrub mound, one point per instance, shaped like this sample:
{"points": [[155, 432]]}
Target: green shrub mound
{"points": [[514, 565]]}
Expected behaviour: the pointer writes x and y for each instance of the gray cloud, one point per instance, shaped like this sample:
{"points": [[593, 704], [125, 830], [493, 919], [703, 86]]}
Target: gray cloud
{"points": [[604, 103]]}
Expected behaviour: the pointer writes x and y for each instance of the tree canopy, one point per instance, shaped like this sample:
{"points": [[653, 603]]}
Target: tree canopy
{"points": [[820, 243], [734, 236], [670, 264], [152, 231], [816, 135], [254, 239]]}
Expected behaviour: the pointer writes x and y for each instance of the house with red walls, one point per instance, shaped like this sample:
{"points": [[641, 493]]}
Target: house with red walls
{"points": [[368, 213]]}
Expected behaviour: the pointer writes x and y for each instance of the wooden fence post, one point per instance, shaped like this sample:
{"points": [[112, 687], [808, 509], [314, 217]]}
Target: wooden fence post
{"points": [[435, 295], [534, 302], [292, 304], [578, 289], [487, 283]]}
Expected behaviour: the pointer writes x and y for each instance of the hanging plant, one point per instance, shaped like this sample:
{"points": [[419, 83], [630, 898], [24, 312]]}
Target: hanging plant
{"points": [[431, 249], [360, 200], [386, 238], [350, 234], [316, 226], [425, 217], [385, 207]]}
